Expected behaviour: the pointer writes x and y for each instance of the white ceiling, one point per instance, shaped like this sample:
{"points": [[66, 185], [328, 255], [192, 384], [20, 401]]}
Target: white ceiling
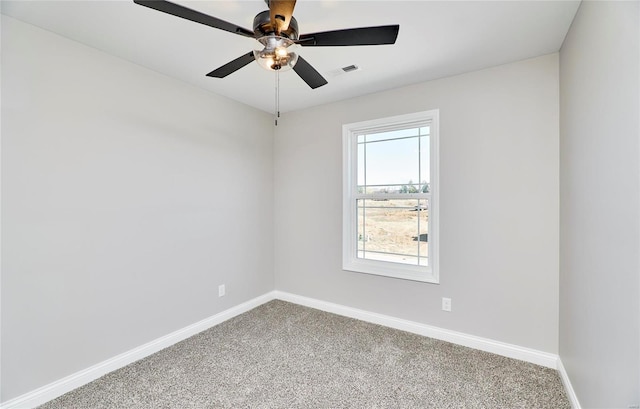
{"points": [[437, 39]]}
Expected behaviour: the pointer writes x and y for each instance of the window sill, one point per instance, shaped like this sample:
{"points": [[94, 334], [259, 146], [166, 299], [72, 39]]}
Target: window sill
{"points": [[391, 270]]}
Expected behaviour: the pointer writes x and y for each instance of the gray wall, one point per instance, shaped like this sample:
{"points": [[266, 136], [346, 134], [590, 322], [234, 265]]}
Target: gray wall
{"points": [[127, 198], [499, 205], [600, 204]]}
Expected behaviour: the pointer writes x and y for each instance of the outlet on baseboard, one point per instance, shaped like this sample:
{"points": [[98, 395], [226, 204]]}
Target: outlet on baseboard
{"points": [[446, 304], [221, 290]]}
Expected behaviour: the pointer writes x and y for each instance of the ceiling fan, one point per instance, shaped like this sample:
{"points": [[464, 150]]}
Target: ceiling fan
{"points": [[277, 31]]}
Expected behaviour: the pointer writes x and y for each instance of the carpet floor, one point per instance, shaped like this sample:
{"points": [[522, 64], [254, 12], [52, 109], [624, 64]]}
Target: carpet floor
{"points": [[282, 355]]}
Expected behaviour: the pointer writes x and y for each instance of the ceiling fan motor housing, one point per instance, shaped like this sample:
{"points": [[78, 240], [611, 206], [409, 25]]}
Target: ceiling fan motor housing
{"points": [[262, 27]]}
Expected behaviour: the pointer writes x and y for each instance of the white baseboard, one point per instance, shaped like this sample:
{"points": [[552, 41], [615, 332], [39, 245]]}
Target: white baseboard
{"points": [[571, 394], [67, 384], [71, 382], [500, 348]]}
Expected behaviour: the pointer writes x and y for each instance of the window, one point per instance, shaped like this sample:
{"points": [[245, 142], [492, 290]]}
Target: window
{"points": [[390, 214]]}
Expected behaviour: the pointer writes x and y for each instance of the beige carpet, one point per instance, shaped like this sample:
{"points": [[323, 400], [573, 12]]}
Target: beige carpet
{"points": [[282, 355]]}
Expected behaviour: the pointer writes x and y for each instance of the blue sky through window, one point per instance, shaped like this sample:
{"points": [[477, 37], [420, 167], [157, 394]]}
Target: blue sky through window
{"points": [[392, 161]]}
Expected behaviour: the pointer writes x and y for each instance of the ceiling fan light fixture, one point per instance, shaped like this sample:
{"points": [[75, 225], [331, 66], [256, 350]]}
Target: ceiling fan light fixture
{"points": [[278, 53]]}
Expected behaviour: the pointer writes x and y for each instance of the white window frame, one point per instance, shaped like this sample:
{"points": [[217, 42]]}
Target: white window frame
{"points": [[350, 261]]}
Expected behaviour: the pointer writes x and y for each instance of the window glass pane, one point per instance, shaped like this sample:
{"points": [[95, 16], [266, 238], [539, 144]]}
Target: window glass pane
{"points": [[400, 188], [423, 238], [425, 130], [401, 133], [425, 173], [393, 230], [393, 162], [393, 258], [361, 228], [361, 162]]}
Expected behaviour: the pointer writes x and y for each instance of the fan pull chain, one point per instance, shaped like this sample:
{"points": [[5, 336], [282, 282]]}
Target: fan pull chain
{"points": [[277, 109]]}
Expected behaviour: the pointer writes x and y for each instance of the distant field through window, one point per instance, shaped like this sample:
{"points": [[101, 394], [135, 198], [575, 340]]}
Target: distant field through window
{"points": [[393, 230], [389, 191]]}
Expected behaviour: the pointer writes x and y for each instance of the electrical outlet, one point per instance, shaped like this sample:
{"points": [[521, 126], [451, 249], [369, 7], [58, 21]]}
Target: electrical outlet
{"points": [[221, 290], [446, 304]]}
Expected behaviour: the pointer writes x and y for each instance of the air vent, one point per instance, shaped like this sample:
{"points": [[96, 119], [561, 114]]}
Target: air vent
{"points": [[350, 68]]}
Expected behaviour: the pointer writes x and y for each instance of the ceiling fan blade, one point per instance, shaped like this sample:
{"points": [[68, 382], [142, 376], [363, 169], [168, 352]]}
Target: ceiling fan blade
{"points": [[233, 66], [351, 36], [280, 13], [309, 74], [192, 15]]}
